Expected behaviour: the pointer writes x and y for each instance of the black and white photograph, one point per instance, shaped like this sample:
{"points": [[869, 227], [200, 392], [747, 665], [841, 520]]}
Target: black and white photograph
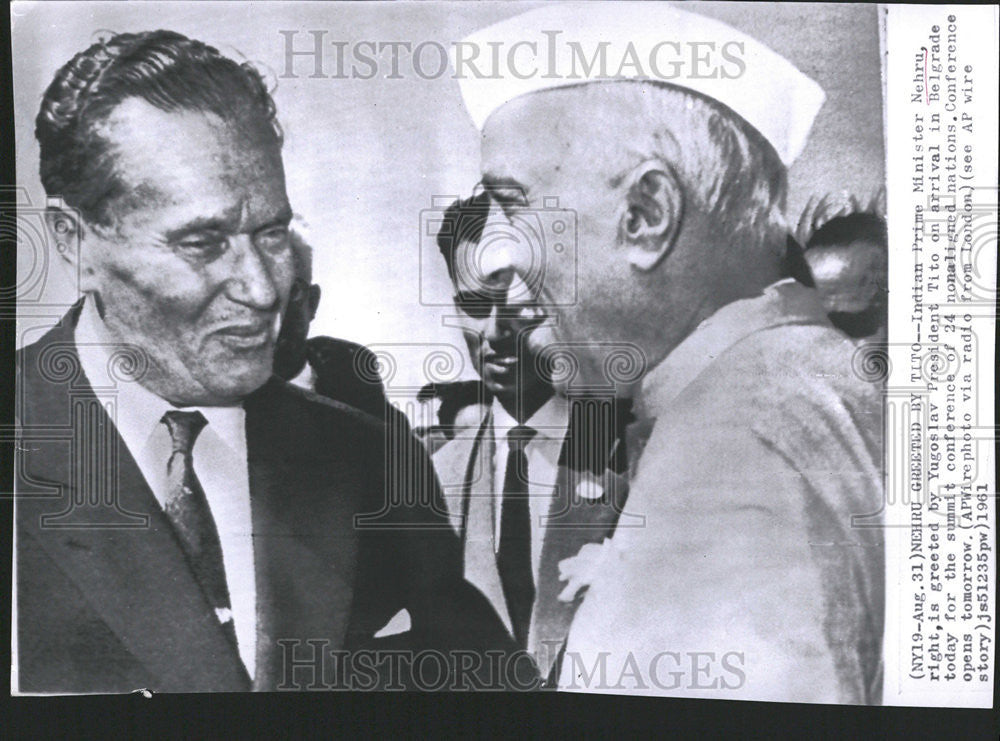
{"points": [[625, 348]]}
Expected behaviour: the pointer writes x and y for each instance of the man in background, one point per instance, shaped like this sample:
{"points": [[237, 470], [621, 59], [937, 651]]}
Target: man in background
{"points": [[848, 253], [535, 476]]}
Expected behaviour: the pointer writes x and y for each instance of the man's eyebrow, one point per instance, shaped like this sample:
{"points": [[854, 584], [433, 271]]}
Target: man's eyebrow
{"points": [[226, 221], [220, 222], [284, 216], [493, 182]]}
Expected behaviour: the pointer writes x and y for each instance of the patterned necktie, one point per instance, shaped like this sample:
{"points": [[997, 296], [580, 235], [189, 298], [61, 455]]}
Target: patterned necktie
{"points": [[189, 513], [514, 554]]}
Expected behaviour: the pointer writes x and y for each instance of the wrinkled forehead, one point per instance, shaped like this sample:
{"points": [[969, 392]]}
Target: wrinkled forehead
{"points": [[542, 137], [535, 133], [145, 140]]}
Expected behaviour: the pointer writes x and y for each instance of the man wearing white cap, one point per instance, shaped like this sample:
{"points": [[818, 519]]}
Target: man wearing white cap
{"points": [[749, 562]]}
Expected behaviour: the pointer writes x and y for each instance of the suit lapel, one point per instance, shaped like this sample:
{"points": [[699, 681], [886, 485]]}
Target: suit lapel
{"points": [[305, 544], [479, 546], [451, 463], [108, 533], [588, 498]]}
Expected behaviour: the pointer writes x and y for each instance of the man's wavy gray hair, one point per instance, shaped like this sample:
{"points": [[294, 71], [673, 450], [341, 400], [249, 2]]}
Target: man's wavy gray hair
{"points": [[164, 68], [726, 167]]}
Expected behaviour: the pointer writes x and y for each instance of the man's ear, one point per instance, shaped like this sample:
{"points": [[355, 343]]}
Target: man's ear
{"points": [[314, 296], [67, 231], [653, 212]]}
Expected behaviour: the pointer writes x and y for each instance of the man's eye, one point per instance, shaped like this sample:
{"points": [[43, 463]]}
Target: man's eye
{"points": [[274, 238], [204, 245], [474, 305], [509, 197]]}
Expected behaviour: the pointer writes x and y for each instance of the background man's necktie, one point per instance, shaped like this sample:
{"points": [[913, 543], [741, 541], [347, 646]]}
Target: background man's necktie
{"points": [[188, 510], [514, 554]]}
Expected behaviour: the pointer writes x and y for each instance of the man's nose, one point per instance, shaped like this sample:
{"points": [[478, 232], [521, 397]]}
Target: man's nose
{"points": [[497, 326], [514, 310], [521, 300], [252, 279]]}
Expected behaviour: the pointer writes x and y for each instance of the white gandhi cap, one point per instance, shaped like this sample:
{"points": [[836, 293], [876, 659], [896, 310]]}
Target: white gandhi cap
{"points": [[560, 45]]}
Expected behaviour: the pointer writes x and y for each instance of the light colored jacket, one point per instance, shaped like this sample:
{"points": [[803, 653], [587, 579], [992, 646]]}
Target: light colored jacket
{"points": [[761, 488]]}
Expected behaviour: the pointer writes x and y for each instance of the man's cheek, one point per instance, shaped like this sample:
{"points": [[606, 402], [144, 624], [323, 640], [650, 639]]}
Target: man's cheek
{"points": [[170, 288], [539, 338], [126, 306], [283, 275], [472, 342]]}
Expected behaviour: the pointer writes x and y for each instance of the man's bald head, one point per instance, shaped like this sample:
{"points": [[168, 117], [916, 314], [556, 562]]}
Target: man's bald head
{"points": [[678, 203], [726, 168]]}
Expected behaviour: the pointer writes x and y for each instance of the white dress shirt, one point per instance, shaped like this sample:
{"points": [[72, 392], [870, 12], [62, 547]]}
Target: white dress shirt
{"points": [[220, 463], [306, 379], [550, 422]]}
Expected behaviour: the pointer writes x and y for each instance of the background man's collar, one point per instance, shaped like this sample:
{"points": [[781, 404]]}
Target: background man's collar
{"points": [[550, 420]]}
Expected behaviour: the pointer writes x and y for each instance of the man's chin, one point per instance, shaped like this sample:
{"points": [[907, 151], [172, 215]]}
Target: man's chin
{"points": [[235, 385], [498, 388]]}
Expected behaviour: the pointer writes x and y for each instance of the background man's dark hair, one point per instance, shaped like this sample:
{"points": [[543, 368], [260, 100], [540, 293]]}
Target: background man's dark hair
{"points": [[463, 221], [164, 68], [860, 239], [855, 227]]}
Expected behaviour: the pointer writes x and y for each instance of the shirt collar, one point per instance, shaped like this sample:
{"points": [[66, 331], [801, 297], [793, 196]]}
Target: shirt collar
{"points": [[549, 420], [138, 410], [781, 303]]}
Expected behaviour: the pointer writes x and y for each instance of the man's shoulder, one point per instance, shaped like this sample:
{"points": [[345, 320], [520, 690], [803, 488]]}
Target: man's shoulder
{"points": [[783, 370], [49, 373], [285, 402], [56, 346], [780, 407], [795, 388], [322, 405], [346, 371], [336, 348], [302, 421]]}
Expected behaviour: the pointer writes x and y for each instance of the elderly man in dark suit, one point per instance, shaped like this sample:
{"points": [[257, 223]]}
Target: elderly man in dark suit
{"points": [[186, 521]]}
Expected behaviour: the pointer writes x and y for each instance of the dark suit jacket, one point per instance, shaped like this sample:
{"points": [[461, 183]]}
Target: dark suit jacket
{"points": [[590, 491], [107, 603], [346, 372]]}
